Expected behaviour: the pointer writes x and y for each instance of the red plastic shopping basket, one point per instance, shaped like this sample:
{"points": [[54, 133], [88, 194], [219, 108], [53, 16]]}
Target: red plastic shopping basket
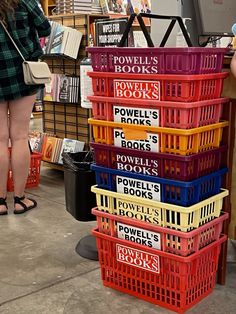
{"points": [[165, 279], [192, 60], [159, 238], [165, 114], [33, 176], [159, 87]]}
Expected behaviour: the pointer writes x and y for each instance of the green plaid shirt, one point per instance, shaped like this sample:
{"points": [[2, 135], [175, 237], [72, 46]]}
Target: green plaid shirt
{"points": [[26, 25]]}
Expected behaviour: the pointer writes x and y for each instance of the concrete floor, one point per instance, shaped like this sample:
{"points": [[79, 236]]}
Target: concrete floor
{"points": [[42, 274]]}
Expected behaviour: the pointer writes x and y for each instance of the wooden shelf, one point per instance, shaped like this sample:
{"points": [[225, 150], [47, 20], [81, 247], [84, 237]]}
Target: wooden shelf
{"points": [[38, 114], [48, 6]]}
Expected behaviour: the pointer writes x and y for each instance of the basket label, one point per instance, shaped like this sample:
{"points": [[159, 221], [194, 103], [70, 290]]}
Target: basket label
{"points": [[137, 164], [136, 64], [140, 236], [139, 188], [151, 144], [137, 258], [148, 117], [137, 89], [138, 211]]}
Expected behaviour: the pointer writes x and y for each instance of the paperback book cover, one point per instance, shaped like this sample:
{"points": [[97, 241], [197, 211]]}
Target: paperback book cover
{"points": [[138, 6], [36, 140], [49, 148], [57, 39], [58, 150], [113, 6], [70, 146], [62, 88], [64, 91], [63, 40]]}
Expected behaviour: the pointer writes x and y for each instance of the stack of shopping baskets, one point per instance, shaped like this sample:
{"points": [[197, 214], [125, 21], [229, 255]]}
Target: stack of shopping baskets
{"points": [[159, 167]]}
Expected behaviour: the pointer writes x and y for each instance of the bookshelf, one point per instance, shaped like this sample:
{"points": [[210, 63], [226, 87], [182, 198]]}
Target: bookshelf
{"points": [[68, 119], [48, 6]]}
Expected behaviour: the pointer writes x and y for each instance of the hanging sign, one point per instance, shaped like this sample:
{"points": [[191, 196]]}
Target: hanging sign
{"points": [[110, 31]]}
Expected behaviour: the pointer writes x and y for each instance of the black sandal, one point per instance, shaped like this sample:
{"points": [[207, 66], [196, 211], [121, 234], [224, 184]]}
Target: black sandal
{"points": [[4, 203], [18, 200]]}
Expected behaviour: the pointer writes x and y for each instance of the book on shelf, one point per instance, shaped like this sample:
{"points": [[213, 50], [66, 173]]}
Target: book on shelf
{"points": [[63, 6], [139, 39], [49, 148], [113, 6], [36, 141], [63, 95], [38, 104], [62, 88], [96, 7], [57, 150], [74, 6], [50, 92], [138, 6], [70, 146], [63, 40]]}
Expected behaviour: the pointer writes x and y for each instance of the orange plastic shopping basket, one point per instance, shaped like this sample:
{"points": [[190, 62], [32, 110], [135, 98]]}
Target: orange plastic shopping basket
{"points": [[157, 139]]}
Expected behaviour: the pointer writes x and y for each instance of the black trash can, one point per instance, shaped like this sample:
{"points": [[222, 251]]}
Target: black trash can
{"points": [[78, 180]]}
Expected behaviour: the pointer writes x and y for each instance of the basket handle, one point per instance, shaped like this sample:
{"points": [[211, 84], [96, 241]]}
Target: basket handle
{"points": [[145, 31]]}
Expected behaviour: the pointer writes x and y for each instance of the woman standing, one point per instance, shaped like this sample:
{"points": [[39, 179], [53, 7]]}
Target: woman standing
{"points": [[25, 22]]}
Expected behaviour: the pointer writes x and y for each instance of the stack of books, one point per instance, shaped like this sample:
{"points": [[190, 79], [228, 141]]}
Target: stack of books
{"points": [[63, 40], [96, 7], [73, 6]]}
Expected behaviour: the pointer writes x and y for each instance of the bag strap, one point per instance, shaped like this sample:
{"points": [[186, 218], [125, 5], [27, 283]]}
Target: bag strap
{"points": [[12, 40]]}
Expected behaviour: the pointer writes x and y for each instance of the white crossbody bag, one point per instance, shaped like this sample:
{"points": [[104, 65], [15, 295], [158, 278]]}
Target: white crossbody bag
{"points": [[35, 72]]}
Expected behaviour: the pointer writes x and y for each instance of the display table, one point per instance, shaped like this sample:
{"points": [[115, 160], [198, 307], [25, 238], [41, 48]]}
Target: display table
{"points": [[229, 90]]}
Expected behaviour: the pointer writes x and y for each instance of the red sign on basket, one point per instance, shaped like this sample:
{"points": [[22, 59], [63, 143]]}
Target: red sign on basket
{"points": [[137, 258], [148, 90]]}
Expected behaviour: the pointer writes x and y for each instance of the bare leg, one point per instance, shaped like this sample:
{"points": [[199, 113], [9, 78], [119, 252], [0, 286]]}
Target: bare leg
{"points": [[20, 112], [4, 157]]}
